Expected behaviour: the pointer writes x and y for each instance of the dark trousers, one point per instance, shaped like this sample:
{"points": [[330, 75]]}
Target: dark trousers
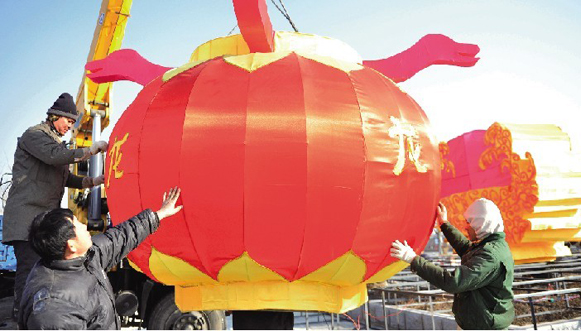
{"points": [[26, 258], [262, 320]]}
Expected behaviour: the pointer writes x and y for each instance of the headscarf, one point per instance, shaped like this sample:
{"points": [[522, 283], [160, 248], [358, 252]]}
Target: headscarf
{"points": [[484, 217]]}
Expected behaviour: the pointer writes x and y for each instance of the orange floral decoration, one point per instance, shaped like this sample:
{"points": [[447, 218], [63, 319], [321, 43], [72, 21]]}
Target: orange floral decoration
{"points": [[446, 164], [515, 200]]}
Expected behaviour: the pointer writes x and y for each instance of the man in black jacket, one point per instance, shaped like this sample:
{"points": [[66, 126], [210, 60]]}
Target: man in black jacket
{"points": [[68, 288], [39, 176]]}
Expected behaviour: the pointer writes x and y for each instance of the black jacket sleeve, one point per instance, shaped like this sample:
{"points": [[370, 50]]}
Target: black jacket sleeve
{"points": [[48, 150], [74, 181], [115, 243]]}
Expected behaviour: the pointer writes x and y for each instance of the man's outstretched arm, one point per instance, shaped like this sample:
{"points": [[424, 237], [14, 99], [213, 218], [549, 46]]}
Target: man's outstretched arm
{"points": [[113, 245]]}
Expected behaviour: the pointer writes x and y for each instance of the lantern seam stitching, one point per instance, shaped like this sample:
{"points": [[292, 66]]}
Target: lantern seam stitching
{"points": [[298, 60], [244, 220], [245, 253], [162, 262], [161, 255], [205, 270], [390, 87], [364, 170], [348, 254], [148, 239]]}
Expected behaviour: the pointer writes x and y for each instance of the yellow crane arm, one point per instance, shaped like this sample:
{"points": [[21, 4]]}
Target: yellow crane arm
{"points": [[107, 38], [93, 107]]}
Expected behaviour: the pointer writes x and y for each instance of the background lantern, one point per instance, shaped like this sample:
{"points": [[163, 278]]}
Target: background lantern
{"points": [[531, 172]]}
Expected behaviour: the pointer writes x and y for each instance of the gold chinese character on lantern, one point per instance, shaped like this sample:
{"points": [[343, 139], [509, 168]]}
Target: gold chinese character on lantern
{"points": [[407, 140], [115, 156]]}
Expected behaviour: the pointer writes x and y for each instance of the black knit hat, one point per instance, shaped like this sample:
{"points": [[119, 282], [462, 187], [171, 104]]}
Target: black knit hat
{"points": [[64, 106]]}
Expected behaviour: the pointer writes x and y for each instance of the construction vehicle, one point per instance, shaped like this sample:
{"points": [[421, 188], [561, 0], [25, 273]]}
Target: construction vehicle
{"points": [[140, 301], [7, 267]]}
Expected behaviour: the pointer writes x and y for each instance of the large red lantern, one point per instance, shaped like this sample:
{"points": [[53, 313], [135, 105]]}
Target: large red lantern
{"points": [[297, 171]]}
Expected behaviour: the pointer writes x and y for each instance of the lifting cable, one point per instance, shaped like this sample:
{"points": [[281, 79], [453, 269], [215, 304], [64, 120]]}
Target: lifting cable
{"points": [[282, 9], [284, 13], [234, 28]]}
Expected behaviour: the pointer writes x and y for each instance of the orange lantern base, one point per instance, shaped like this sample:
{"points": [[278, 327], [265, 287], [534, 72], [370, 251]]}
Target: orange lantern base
{"points": [[303, 296]]}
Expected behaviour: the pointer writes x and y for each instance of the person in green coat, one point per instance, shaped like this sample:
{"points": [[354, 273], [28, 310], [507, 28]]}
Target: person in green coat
{"points": [[482, 284]]}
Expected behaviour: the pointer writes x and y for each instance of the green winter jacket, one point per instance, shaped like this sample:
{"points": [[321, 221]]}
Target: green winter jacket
{"points": [[39, 176], [482, 285]]}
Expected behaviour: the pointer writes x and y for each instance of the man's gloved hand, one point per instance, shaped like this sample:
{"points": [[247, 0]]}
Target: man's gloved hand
{"points": [[89, 182], [402, 251], [98, 146], [98, 180]]}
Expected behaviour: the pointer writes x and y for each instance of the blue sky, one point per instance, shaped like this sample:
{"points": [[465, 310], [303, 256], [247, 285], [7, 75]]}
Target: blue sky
{"points": [[529, 72]]}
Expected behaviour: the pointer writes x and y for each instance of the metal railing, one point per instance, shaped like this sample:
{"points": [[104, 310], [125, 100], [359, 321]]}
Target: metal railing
{"points": [[538, 285]]}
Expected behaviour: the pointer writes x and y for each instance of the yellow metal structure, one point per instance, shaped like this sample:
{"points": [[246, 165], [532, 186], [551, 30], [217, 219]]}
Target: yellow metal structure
{"points": [[92, 97], [284, 42], [107, 38]]}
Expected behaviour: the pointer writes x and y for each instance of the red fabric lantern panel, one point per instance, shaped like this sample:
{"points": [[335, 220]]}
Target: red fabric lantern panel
{"points": [[295, 163]]}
